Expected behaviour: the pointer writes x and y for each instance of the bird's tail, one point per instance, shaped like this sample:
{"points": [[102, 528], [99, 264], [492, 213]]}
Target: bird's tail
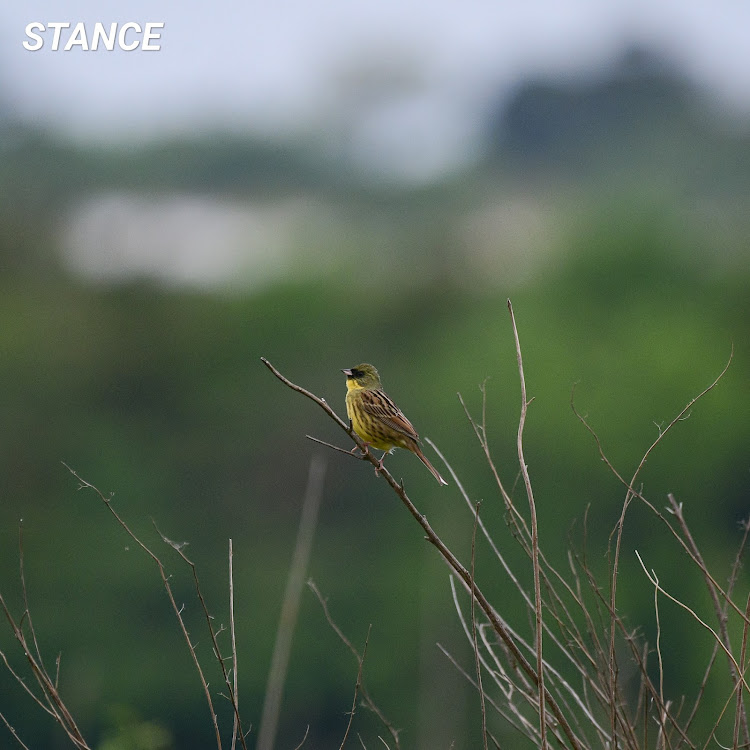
{"points": [[432, 469]]}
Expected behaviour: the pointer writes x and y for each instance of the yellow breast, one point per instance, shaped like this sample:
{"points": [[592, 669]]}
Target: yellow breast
{"points": [[368, 427]]}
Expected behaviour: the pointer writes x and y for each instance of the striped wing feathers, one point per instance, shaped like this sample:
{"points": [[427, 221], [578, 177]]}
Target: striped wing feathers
{"points": [[379, 405]]}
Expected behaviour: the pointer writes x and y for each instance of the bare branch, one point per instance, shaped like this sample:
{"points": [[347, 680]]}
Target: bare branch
{"points": [[52, 702], [167, 587], [357, 687], [534, 536], [360, 658], [655, 582], [619, 526], [475, 644], [453, 562], [179, 548], [236, 728], [352, 453], [719, 611], [304, 739]]}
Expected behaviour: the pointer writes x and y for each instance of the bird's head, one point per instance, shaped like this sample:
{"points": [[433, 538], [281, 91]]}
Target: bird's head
{"points": [[362, 376]]}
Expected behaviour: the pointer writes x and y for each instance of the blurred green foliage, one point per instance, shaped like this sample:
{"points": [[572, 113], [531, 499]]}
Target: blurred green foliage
{"points": [[161, 398], [158, 396]]}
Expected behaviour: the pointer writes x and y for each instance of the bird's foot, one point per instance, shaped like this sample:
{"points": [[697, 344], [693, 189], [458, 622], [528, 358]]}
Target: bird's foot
{"points": [[362, 453], [379, 467]]}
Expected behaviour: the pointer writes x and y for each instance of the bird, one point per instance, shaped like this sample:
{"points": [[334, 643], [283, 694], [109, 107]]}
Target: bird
{"points": [[377, 420]]}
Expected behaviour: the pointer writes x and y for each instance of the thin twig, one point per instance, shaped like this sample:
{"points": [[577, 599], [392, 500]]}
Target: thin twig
{"points": [[480, 430], [516, 520], [655, 582], [167, 587], [360, 456], [585, 674], [307, 731], [54, 705], [727, 595], [179, 548], [740, 715], [24, 592], [660, 740], [363, 691], [232, 635], [527, 730], [631, 493], [478, 663], [357, 687], [720, 612], [12, 730], [534, 537]]}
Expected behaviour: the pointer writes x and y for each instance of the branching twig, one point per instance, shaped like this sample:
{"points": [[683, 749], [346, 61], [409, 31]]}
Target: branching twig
{"points": [[180, 549], [584, 669], [323, 404], [631, 493], [176, 609], [534, 536], [720, 612], [662, 728], [357, 687], [524, 727], [655, 582], [452, 561], [478, 663], [360, 658], [53, 703], [592, 657]]}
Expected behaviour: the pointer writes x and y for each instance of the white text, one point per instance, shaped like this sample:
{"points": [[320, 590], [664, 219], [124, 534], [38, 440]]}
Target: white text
{"points": [[128, 36]]}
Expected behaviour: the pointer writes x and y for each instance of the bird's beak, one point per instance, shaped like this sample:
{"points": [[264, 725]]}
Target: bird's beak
{"points": [[348, 373]]}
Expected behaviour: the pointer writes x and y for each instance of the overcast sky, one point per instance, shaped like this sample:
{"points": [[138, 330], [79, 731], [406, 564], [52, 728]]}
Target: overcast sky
{"points": [[295, 66]]}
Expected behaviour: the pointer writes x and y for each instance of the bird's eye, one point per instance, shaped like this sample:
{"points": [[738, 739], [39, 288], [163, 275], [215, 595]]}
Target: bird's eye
{"points": [[357, 373]]}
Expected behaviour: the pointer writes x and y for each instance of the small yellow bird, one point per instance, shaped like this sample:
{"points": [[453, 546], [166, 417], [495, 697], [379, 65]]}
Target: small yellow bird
{"points": [[376, 419]]}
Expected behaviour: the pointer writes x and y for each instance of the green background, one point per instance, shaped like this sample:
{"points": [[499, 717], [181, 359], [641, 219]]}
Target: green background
{"points": [[636, 294]]}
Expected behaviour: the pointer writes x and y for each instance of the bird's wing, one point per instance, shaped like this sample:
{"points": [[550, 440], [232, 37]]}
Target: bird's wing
{"points": [[378, 404]]}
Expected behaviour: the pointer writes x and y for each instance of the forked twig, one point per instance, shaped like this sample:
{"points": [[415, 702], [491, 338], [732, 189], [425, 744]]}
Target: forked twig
{"points": [[360, 659], [719, 611], [631, 493], [539, 626], [569, 653], [51, 701], [655, 582], [661, 714], [494, 618], [357, 687], [475, 644], [178, 610], [179, 548], [323, 404]]}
